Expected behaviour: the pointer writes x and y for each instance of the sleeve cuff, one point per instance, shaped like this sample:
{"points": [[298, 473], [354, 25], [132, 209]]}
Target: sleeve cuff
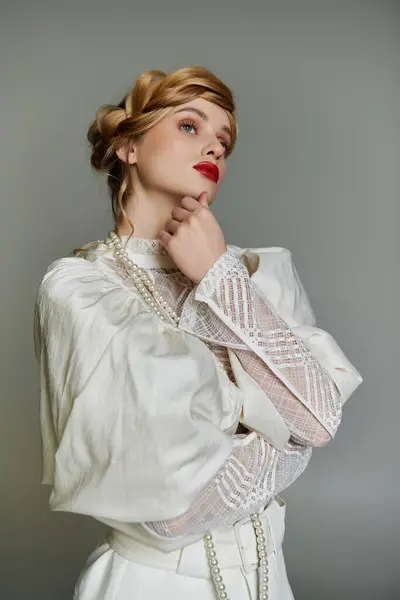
{"points": [[226, 265]]}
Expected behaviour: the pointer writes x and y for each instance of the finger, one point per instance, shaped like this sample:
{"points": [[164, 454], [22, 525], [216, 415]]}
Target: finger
{"points": [[203, 199], [164, 237], [171, 226], [180, 214], [190, 203]]}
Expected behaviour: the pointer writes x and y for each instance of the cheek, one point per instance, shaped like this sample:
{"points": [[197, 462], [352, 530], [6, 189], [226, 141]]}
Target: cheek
{"points": [[155, 155], [168, 150], [156, 143]]}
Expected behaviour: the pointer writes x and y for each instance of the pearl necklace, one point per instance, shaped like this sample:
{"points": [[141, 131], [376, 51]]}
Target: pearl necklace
{"points": [[156, 302]]}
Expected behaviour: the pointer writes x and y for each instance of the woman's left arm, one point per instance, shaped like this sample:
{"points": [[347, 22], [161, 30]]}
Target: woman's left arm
{"points": [[265, 317]]}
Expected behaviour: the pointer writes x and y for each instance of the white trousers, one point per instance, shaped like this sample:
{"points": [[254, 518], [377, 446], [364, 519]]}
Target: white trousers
{"points": [[125, 569]]}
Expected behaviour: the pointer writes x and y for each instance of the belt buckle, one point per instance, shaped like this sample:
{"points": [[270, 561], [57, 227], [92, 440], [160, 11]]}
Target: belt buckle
{"points": [[247, 543]]}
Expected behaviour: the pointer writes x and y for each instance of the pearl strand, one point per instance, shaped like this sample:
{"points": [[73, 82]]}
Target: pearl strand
{"points": [[163, 309], [263, 573], [142, 281], [146, 287], [214, 567]]}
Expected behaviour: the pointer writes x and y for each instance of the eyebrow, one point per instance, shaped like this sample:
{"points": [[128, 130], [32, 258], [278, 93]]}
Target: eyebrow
{"points": [[203, 116]]}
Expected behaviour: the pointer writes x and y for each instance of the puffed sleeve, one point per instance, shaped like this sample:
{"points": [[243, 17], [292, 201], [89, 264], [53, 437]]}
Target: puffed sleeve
{"points": [[292, 373], [276, 276], [130, 408]]}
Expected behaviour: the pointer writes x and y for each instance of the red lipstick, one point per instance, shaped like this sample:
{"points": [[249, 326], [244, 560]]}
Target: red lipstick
{"points": [[208, 169]]}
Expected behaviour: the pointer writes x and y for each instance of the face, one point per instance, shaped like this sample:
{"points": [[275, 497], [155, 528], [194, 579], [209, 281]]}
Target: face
{"points": [[196, 132]]}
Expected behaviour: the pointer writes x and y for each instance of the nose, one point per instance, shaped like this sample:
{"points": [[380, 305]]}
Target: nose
{"points": [[214, 148]]}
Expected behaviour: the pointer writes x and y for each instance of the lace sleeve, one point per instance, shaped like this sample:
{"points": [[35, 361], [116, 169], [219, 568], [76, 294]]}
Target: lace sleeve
{"points": [[304, 427], [253, 474], [243, 319]]}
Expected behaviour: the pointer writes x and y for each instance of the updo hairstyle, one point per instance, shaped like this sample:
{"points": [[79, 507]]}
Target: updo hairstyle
{"points": [[153, 96]]}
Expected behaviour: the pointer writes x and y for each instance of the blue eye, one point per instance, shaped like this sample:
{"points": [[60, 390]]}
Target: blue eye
{"points": [[188, 126]]}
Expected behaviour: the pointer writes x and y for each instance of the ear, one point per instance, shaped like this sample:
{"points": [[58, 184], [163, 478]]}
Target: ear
{"points": [[127, 154]]}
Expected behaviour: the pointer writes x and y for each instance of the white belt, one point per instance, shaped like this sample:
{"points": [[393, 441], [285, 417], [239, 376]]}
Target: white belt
{"points": [[235, 546]]}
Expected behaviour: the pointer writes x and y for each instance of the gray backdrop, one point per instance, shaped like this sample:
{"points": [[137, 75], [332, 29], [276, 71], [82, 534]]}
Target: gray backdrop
{"points": [[317, 87]]}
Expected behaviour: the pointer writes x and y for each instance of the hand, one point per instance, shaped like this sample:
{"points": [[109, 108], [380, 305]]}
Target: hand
{"points": [[193, 237]]}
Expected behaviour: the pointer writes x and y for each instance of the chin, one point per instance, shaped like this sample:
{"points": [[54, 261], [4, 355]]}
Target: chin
{"points": [[206, 186], [195, 188]]}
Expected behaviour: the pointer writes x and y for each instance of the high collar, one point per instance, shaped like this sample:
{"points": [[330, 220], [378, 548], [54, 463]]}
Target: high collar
{"points": [[143, 246], [147, 253]]}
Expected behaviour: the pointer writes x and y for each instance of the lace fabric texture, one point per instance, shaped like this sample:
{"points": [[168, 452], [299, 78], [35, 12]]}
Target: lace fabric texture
{"points": [[140, 429], [253, 474], [233, 313], [228, 310], [175, 287]]}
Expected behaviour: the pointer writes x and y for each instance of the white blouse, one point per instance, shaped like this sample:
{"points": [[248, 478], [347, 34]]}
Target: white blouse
{"points": [[141, 428]]}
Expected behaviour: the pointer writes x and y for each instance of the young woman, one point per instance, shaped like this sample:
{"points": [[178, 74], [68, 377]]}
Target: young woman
{"points": [[184, 381]]}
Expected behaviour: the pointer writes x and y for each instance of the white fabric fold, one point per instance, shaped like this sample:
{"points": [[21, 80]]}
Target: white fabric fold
{"points": [[259, 413], [280, 283], [137, 420], [224, 309], [131, 410]]}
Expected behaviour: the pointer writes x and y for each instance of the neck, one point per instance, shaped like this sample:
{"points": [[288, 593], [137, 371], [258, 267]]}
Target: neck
{"points": [[148, 213]]}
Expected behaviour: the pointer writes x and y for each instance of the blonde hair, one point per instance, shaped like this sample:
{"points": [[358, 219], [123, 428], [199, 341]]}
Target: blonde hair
{"points": [[153, 96]]}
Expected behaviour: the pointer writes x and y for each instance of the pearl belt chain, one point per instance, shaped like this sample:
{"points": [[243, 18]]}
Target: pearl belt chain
{"points": [[164, 310]]}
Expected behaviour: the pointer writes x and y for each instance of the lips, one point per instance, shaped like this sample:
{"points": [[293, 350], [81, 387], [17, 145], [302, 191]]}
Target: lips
{"points": [[208, 169]]}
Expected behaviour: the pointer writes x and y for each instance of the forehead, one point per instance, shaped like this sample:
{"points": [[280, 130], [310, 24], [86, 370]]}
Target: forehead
{"points": [[215, 114]]}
